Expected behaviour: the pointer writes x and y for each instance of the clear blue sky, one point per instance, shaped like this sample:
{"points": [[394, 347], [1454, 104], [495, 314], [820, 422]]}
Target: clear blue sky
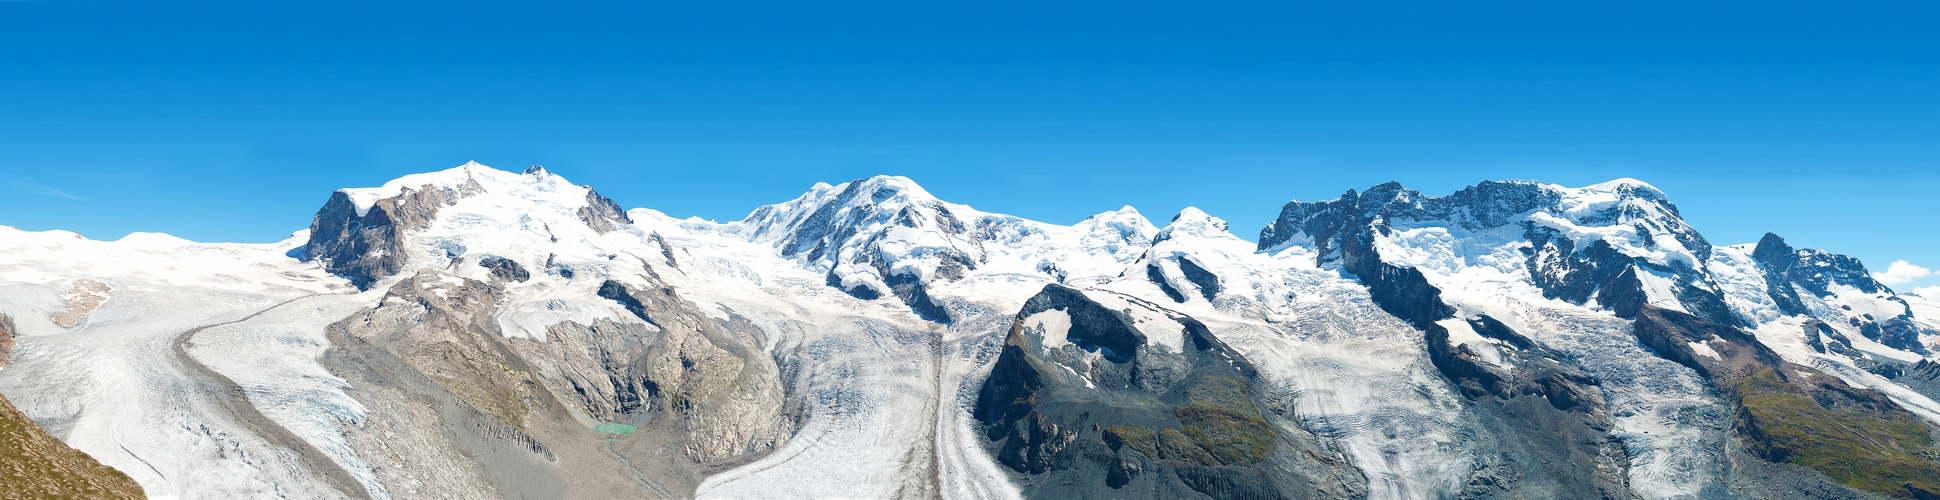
{"points": [[233, 121]]}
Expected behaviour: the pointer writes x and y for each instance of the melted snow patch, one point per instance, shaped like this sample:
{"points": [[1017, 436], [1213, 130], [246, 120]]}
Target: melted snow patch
{"points": [[1052, 325], [1704, 349], [1660, 289], [1460, 333], [531, 320]]}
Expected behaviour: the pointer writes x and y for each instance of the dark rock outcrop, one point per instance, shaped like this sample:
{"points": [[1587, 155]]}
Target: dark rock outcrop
{"points": [[912, 291], [1490, 327], [1405, 293], [1670, 333], [1777, 258], [1207, 282], [1485, 205], [505, 269], [1340, 228], [369, 247], [1789, 271], [665, 250], [601, 213], [1553, 423], [1156, 274], [1138, 420]]}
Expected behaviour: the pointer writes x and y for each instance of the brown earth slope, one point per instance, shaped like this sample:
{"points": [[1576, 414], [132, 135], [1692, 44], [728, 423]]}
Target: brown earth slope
{"points": [[35, 465]]}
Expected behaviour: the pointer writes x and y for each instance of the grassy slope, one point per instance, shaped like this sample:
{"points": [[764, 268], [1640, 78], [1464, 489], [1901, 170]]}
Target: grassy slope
{"points": [[34, 464], [1793, 413], [1887, 453], [1220, 426]]}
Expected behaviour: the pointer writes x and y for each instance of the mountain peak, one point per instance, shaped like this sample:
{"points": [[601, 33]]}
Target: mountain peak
{"points": [[1125, 212], [366, 234], [810, 220], [1191, 214], [1628, 186], [895, 185], [1194, 223]]}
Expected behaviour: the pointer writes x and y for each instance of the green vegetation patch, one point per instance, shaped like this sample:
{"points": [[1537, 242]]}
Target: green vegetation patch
{"points": [[1219, 425], [1141, 439], [1861, 449], [1223, 420], [1176, 446]]}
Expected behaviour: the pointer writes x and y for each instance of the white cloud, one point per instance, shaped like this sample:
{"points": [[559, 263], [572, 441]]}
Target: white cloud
{"points": [[1901, 272], [1931, 292], [28, 185]]}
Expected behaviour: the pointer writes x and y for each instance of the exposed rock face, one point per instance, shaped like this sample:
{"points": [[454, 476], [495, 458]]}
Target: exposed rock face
{"points": [[1156, 274], [507, 417], [1922, 376], [708, 372], [601, 213], [1201, 279], [1614, 279], [1085, 405], [447, 394], [1777, 258], [505, 269], [35, 465], [369, 247], [665, 250], [1789, 271], [911, 290], [6, 339], [1788, 413], [1554, 427], [1553, 420], [1344, 230], [83, 297], [1176, 271], [1813, 270], [1486, 205], [1562, 265], [1404, 292], [1207, 281]]}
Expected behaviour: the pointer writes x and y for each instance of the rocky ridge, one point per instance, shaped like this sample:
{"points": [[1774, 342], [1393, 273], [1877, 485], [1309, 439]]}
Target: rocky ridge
{"points": [[1082, 404]]}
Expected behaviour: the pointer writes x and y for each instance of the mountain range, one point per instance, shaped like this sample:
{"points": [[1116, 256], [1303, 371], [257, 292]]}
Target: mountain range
{"points": [[469, 333]]}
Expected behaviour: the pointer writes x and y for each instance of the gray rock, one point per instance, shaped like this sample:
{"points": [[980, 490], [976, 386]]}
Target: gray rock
{"points": [[1145, 422]]}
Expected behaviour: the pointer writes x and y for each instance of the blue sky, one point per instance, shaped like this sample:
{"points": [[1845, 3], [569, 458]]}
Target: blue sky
{"points": [[233, 121]]}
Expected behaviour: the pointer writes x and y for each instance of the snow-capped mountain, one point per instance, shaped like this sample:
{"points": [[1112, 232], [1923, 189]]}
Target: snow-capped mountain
{"points": [[886, 236], [464, 334]]}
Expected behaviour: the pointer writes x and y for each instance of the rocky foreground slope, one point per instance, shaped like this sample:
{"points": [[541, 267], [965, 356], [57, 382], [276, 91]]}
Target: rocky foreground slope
{"points": [[34, 464], [463, 333]]}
